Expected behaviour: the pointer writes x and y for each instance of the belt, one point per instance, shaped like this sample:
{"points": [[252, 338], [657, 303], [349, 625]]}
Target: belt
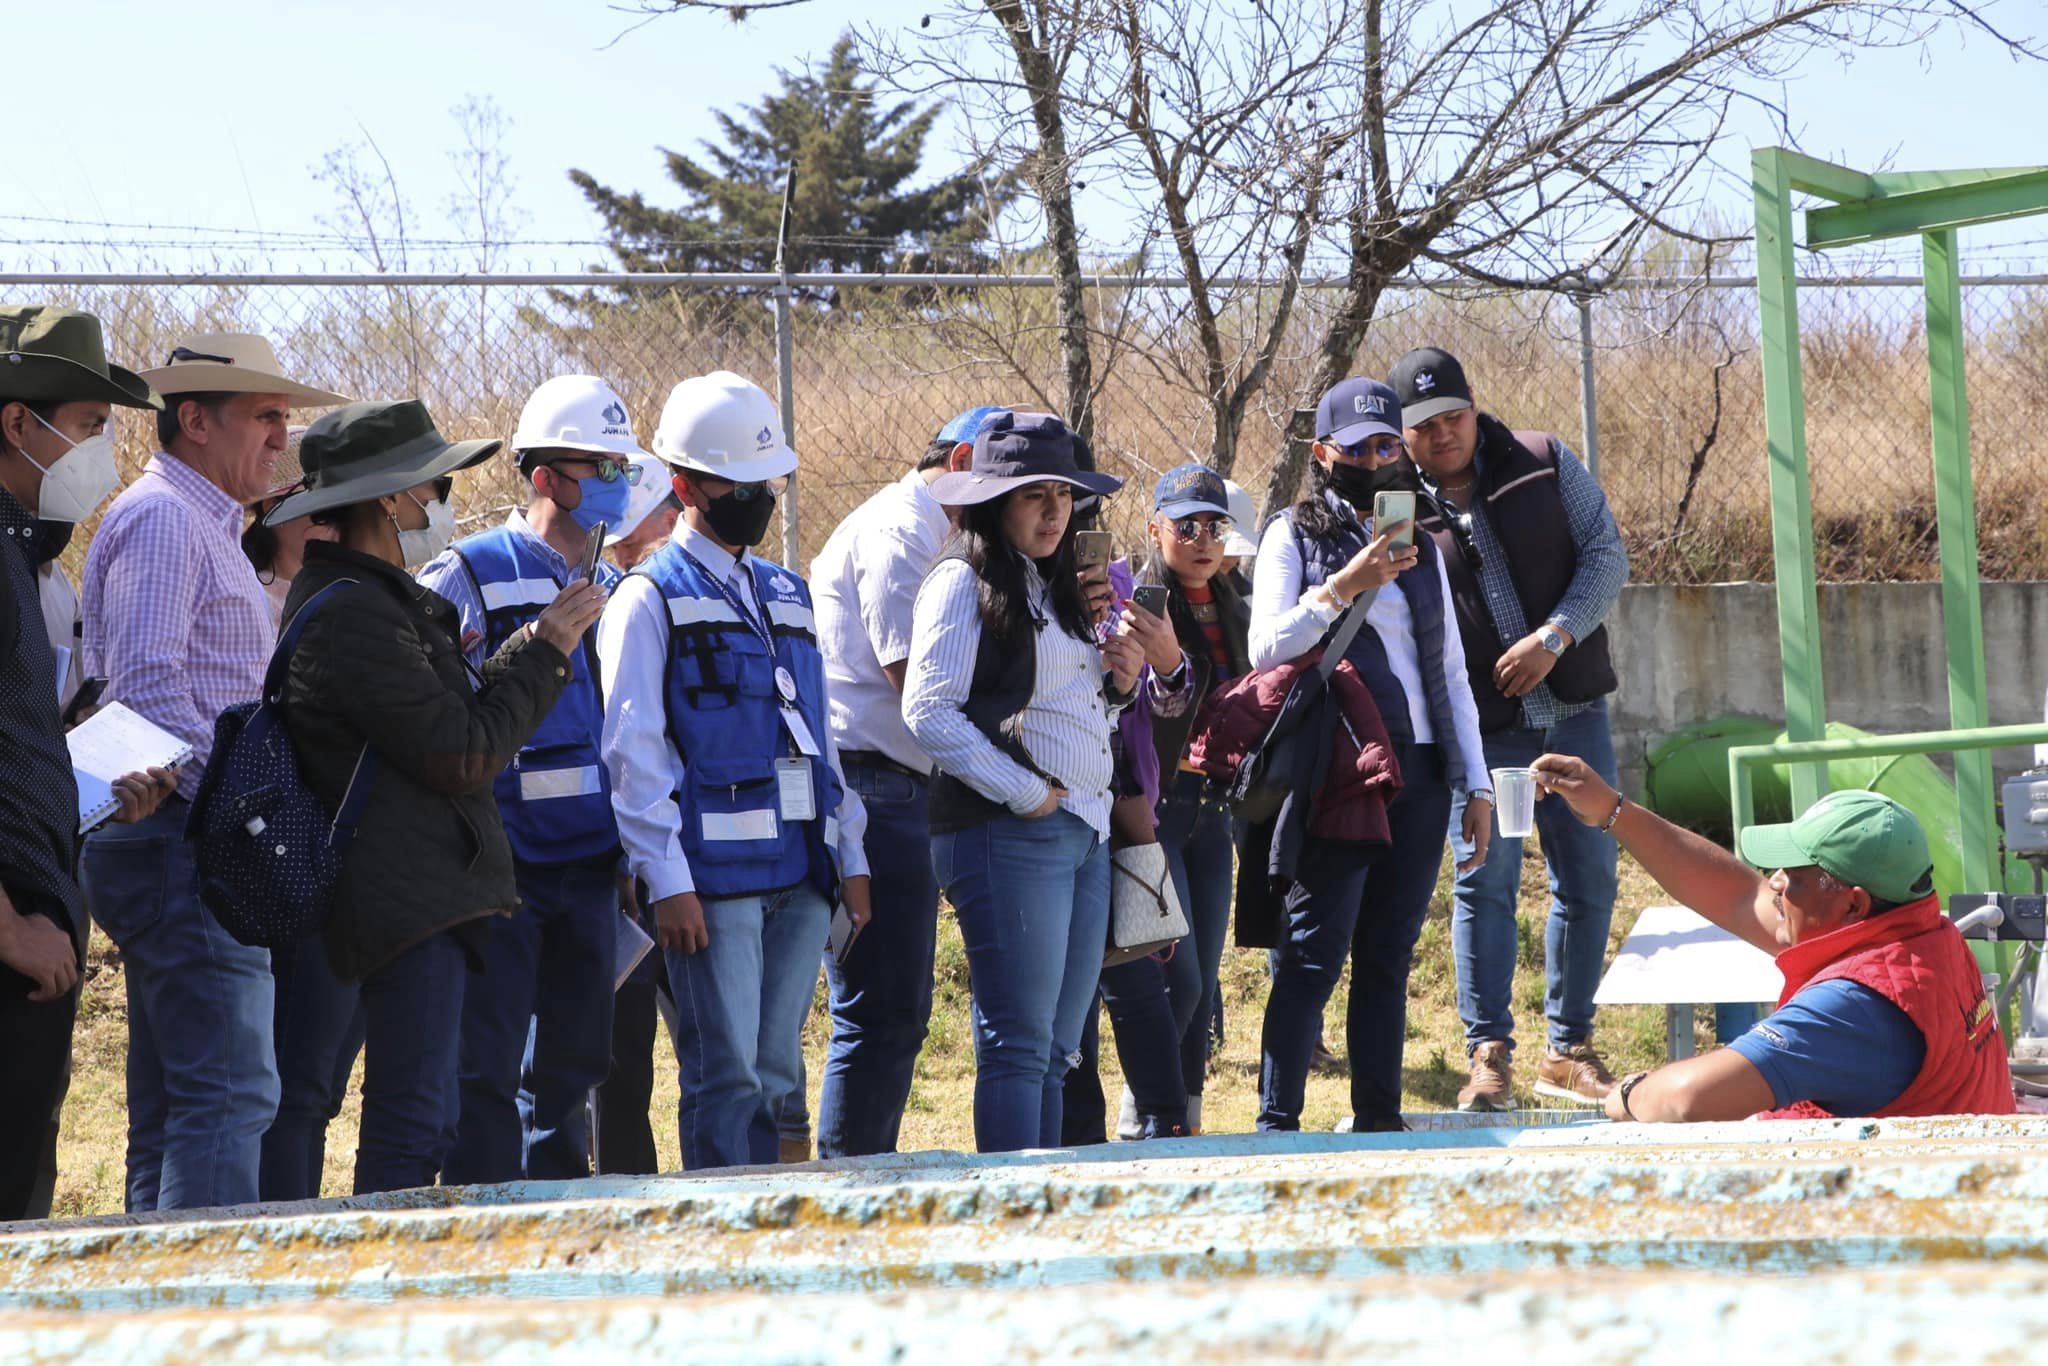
{"points": [[874, 758]]}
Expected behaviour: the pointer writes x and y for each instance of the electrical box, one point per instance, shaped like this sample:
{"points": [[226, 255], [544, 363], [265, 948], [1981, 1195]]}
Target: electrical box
{"points": [[2026, 814]]}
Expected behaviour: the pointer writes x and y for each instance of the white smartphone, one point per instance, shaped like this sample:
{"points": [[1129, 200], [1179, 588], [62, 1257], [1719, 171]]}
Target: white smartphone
{"points": [[1394, 509]]}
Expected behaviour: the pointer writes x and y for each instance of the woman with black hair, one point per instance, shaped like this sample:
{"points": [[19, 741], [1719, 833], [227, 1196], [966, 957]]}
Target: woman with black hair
{"points": [[1008, 693], [278, 551], [1316, 562]]}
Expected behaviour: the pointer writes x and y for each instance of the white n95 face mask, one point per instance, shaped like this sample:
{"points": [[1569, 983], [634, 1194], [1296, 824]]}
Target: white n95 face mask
{"points": [[420, 547], [78, 481]]}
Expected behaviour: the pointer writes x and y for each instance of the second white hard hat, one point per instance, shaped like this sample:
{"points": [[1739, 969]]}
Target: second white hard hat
{"points": [[576, 413], [726, 426]]}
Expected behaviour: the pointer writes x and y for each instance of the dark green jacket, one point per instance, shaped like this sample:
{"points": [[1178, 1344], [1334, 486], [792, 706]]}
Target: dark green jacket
{"points": [[381, 664]]}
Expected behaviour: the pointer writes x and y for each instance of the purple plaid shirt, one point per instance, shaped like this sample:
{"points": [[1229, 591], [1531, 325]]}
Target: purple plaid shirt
{"points": [[175, 618]]}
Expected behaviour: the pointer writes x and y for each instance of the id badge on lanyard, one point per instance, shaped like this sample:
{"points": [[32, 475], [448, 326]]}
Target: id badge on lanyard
{"points": [[799, 731]]}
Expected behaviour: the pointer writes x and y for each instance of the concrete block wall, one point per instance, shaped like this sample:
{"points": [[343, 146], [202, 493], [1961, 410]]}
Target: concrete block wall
{"points": [[1686, 653]]}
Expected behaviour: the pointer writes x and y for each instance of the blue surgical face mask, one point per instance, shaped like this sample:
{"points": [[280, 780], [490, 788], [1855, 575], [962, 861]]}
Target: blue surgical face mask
{"points": [[602, 502]]}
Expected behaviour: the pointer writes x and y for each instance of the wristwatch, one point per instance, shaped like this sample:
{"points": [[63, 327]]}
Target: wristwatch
{"points": [[1551, 639]]}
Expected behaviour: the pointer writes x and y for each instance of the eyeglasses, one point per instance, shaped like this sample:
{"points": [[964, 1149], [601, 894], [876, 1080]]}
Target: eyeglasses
{"points": [[1378, 447], [184, 353], [1460, 524], [760, 488], [608, 471], [1192, 529]]}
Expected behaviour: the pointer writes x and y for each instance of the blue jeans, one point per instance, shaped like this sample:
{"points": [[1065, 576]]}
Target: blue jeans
{"points": [[1147, 1039], [1200, 845], [319, 1025], [740, 1007], [882, 996], [202, 1078], [1032, 898], [412, 1018], [548, 970], [1580, 863], [1368, 907]]}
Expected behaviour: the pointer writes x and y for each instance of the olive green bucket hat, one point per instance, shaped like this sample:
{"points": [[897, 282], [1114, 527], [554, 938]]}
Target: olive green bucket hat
{"points": [[59, 355], [367, 450]]}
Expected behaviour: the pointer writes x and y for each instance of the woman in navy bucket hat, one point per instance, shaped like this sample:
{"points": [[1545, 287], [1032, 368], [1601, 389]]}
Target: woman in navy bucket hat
{"points": [[1315, 561], [1008, 693]]}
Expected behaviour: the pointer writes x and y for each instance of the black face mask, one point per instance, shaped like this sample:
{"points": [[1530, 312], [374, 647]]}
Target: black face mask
{"points": [[740, 521], [50, 540], [1356, 484]]}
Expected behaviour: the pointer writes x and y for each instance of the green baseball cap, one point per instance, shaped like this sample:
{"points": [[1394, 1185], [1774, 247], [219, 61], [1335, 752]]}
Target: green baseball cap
{"points": [[1864, 839]]}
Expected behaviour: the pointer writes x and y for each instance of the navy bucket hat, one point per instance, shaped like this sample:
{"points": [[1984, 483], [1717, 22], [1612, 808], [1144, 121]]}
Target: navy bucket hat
{"points": [[1015, 449]]}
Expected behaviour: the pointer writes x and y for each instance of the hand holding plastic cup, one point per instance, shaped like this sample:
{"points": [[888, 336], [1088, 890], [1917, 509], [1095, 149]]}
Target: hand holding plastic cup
{"points": [[1514, 801]]}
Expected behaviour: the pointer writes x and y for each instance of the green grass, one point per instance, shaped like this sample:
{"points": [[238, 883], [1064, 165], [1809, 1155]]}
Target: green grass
{"points": [[940, 1114]]}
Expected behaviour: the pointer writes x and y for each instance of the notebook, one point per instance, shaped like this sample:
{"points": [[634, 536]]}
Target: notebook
{"points": [[113, 742]]}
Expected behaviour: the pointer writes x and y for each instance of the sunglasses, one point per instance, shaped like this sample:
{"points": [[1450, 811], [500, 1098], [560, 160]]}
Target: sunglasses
{"points": [[608, 471], [186, 353], [1191, 529], [762, 488], [1378, 447]]}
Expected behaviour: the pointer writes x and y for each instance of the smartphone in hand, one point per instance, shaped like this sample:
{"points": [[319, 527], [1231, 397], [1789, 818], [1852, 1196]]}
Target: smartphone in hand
{"points": [[1151, 597], [84, 700], [1392, 510], [592, 549], [840, 939], [1091, 549]]}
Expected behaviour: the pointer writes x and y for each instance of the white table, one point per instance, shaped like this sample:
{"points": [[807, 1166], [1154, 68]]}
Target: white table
{"points": [[1677, 960]]}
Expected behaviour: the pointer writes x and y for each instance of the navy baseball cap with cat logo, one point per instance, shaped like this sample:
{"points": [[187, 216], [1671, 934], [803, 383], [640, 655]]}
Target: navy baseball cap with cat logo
{"points": [[1355, 409]]}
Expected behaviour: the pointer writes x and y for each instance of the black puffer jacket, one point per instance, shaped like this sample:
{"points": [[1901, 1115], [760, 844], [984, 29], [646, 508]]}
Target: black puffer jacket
{"points": [[380, 664]]}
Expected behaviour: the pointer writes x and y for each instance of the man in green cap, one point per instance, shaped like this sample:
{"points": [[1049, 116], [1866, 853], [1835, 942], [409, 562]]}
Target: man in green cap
{"points": [[1883, 1011], [57, 394]]}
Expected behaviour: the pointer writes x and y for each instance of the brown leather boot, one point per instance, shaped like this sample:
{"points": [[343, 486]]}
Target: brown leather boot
{"points": [[1492, 1087]]}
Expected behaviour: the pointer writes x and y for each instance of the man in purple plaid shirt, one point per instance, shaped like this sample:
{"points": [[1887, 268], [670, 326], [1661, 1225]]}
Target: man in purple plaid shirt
{"points": [[177, 622]]}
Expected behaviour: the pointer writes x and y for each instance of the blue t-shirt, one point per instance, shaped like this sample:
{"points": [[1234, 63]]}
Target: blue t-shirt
{"points": [[1838, 1044]]}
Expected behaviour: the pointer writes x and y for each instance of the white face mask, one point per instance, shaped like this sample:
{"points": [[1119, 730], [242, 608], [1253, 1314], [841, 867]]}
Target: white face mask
{"points": [[419, 547], [78, 481]]}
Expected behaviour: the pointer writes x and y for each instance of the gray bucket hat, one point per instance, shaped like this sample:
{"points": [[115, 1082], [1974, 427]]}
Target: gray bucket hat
{"points": [[367, 450]]}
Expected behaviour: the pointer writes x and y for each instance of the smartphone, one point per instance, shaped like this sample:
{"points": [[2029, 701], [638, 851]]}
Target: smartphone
{"points": [[1091, 549], [1151, 597], [88, 695], [843, 933], [591, 551], [1390, 509]]}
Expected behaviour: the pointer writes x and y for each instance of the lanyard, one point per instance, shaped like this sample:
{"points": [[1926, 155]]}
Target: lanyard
{"points": [[758, 626]]}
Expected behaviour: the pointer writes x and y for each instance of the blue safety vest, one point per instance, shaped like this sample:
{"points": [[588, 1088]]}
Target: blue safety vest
{"points": [[725, 718], [555, 796]]}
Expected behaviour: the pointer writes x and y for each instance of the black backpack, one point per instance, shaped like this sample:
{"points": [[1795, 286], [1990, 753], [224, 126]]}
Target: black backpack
{"points": [[268, 852]]}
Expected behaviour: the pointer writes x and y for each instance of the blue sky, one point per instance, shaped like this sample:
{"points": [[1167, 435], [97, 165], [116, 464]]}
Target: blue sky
{"points": [[212, 113]]}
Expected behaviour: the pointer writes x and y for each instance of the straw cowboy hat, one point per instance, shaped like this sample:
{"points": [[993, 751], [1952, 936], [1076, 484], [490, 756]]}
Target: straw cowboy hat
{"points": [[59, 355], [232, 363], [367, 450]]}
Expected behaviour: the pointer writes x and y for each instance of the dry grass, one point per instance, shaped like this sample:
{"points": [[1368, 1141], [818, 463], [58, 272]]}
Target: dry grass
{"points": [[90, 1158], [876, 376]]}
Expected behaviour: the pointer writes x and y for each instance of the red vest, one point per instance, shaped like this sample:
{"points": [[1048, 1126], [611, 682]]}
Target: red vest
{"points": [[1914, 958]]}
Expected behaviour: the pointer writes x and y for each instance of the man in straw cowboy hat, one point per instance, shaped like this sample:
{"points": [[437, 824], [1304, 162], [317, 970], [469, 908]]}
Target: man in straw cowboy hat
{"points": [[57, 394], [177, 622]]}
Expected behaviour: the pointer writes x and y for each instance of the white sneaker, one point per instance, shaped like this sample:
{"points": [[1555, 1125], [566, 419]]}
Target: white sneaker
{"points": [[1128, 1127]]}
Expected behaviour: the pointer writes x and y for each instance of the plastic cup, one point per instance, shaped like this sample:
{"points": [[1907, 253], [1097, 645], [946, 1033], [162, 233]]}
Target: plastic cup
{"points": [[1514, 801]]}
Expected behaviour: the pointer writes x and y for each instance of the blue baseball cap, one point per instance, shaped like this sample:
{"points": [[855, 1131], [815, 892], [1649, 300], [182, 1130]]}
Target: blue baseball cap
{"points": [[1188, 489], [966, 426], [1354, 409]]}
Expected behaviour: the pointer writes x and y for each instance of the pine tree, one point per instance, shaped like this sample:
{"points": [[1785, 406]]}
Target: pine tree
{"points": [[851, 211]]}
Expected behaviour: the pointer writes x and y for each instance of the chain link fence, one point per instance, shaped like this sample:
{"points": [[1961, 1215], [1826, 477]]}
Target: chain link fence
{"points": [[874, 369]]}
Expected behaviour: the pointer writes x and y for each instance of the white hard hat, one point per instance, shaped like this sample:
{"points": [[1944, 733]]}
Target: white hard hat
{"points": [[1244, 520], [726, 426], [656, 483], [576, 413]]}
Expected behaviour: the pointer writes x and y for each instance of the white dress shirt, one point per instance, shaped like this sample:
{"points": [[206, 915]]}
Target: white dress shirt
{"points": [[647, 772], [1288, 621], [1065, 727], [864, 590]]}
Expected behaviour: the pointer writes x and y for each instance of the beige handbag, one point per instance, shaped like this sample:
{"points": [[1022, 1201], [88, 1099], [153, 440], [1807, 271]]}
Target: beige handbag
{"points": [[1144, 913]]}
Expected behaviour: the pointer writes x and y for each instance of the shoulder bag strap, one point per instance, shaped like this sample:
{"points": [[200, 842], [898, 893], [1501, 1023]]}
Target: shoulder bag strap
{"points": [[1340, 639]]}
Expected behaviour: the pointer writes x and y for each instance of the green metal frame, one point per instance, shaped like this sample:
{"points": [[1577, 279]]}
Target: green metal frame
{"points": [[1866, 208]]}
